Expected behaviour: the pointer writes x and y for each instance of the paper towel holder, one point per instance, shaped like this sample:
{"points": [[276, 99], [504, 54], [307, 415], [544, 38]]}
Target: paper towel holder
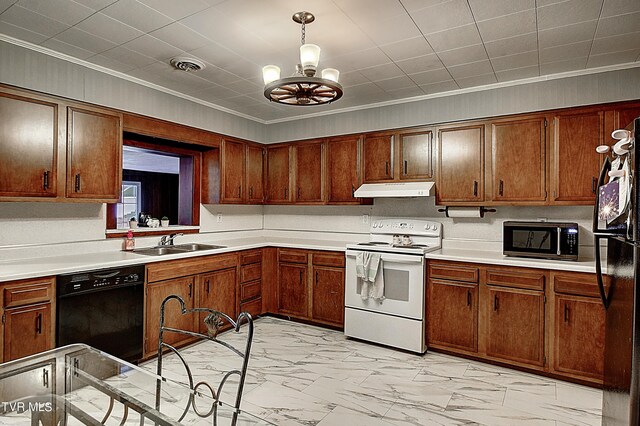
{"points": [[483, 210]]}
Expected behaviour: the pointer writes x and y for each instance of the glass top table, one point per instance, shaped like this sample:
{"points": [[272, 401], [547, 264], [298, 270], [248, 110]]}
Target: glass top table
{"points": [[80, 385]]}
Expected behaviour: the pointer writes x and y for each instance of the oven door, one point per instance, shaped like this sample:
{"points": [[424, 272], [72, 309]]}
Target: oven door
{"points": [[403, 286]]}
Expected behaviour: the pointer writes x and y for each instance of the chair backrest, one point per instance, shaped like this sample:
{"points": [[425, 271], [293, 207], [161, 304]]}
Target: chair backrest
{"points": [[214, 321]]}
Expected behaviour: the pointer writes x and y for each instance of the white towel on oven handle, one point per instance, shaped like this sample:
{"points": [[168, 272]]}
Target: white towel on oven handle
{"points": [[368, 268]]}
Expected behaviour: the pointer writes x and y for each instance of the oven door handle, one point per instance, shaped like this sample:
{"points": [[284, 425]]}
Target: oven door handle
{"points": [[394, 258]]}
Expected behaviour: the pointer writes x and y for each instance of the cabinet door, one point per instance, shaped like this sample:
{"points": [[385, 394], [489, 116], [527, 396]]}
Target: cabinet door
{"points": [[255, 174], [278, 174], [27, 330], [328, 295], [343, 157], [292, 289], [218, 292], [156, 293], [460, 164], [28, 147], [416, 155], [94, 154], [515, 325], [579, 336], [576, 163], [378, 158], [452, 314], [518, 160], [309, 172], [233, 162]]}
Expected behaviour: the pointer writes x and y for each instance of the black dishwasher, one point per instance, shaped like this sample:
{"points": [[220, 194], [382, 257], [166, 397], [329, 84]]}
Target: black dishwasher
{"points": [[103, 309]]}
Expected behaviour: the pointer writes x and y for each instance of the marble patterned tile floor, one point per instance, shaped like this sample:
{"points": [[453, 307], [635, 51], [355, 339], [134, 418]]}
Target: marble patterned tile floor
{"points": [[305, 375]]}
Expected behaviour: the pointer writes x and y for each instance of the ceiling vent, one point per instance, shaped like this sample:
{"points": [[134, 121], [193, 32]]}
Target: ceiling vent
{"points": [[184, 63]]}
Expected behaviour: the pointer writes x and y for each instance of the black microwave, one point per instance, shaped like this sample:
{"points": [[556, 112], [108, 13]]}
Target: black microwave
{"points": [[546, 240]]}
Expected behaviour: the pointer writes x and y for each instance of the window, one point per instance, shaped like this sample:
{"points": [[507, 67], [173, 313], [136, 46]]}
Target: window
{"points": [[130, 205]]}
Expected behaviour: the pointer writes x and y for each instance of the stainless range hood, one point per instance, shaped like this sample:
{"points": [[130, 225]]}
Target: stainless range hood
{"points": [[396, 190]]}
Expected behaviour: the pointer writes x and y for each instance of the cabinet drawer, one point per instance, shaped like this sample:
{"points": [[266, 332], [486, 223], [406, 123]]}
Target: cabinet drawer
{"points": [[452, 271], [28, 293], [292, 256], [248, 258], [253, 307], [329, 259], [192, 266], [250, 290], [516, 278], [250, 272], [576, 284]]}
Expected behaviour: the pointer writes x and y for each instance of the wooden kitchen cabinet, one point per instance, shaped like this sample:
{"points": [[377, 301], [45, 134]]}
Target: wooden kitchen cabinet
{"points": [[217, 292], [278, 176], [94, 154], [328, 288], [251, 282], [518, 160], [27, 330], [576, 163], [416, 151], [452, 311], [309, 172], [378, 157], [460, 164], [343, 169], [233, 171], [293, 289], [255, 173], [620, 117], [28, 145]]}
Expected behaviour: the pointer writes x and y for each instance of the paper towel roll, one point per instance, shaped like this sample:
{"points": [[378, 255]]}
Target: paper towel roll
{"points": [[464, 212]]}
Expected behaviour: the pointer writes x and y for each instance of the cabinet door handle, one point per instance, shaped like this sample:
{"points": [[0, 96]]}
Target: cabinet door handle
{"points": [[286, 193], [190, 289], [495, 302], [251, 192], [475, 188], [39, 323], [594, 185], [468, 297], [207, 285], [45, 180], [300, 277], [386, 168], [405, 166], [566, 313], [501, 188], [316, 278], [239, 191], [299, 190], [78, 182]]}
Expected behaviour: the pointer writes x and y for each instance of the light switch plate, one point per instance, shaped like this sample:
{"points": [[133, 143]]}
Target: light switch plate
{"points": [[219, 218], [365, 219]]}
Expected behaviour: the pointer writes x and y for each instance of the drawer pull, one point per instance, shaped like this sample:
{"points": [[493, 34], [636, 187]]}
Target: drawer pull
{"points": [[386, 168], [39, 323], [207, 285], [566, 313], [594, 184], [501, 188], [300, 277], [78, 182], [475, 188], [495, 302], [45, 180], [190, 290], [299, 191], [405, 167], [316, 278], [239, 191], [468, 297]]}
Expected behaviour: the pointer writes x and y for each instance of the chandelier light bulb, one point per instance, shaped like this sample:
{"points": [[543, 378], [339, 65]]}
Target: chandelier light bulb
{"points": [[270, 73], [331, 74], [309, 57]]}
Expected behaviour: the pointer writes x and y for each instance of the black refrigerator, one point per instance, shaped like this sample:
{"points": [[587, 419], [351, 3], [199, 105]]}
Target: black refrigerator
{"points": [[619, 290]]}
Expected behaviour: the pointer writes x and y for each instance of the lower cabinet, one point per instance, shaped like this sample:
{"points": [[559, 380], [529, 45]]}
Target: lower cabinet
{"points": [[292, 289], [217, 292], [448, 303], [328, 294], [251, 282]]}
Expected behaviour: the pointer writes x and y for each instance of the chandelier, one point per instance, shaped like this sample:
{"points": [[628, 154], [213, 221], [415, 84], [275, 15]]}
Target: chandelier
{"points": [[303, 87]]}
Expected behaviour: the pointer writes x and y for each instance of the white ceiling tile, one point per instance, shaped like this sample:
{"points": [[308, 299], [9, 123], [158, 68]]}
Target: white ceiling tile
{"points": [[563, 66], [519, 60], [176, 9], [245, 87], [108, 28], [508, 26], [620, 24], [363, 90], [180, 36], [84, 40], [406, 49], [218, 92], [6, 4], [390, 30], [358, 60], [406, 92], [96, 4], [612, 58], [153, 47], [218, 75], [413, 5], [137, 15], [512, 45], [370, 10], [565, 52], [619, 7], [216, 54], [382, 72], [430, 77], [454, 38], [21, 33], [470, 70], [396, 83], [463, 55], [567, 34], [518, 73], [419, 64], [352, 78], [616, 43], [439, 87], [32, 21], [568, 12], [129, 57], [111, 63], [443, 16], [245, 69], [67, 49], [65, 11], [477, 80], [483, 9]]}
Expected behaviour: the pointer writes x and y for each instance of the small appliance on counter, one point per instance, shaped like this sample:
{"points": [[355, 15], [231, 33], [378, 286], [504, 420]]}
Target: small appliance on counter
{"points": [[542, 240]]}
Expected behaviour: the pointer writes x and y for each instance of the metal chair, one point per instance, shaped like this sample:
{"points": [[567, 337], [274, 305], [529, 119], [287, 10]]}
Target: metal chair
{"points": [[214, 321]]}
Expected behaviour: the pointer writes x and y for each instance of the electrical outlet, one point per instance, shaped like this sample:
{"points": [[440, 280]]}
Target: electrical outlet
{"points": [[219, 218], [365, 219]]}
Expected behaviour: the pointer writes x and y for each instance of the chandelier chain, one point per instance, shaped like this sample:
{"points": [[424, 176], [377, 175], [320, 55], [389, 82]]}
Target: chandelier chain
{"points": [[303, 28]]}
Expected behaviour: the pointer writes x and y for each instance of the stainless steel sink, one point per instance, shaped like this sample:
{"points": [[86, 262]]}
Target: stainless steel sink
{"points": [[197, 247], [182, 248]]}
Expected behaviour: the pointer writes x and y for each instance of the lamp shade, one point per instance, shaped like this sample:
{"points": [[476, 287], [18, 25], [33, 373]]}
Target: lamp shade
{"points": [[270, 73], [309, 55], [331, 74]]}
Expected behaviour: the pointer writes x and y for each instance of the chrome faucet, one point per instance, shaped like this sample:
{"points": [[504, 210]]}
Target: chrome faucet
{"points": [[167, 240]]}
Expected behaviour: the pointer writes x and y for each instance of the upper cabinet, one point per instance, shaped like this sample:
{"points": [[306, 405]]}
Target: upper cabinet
{"points": [[309, 172], [518, 160], [343, 169], [415, 148], [94, 154], [378, 157], [278, 176], [576, 165], [28, 146], [233, 171], [460, 164], [255, 173]]}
